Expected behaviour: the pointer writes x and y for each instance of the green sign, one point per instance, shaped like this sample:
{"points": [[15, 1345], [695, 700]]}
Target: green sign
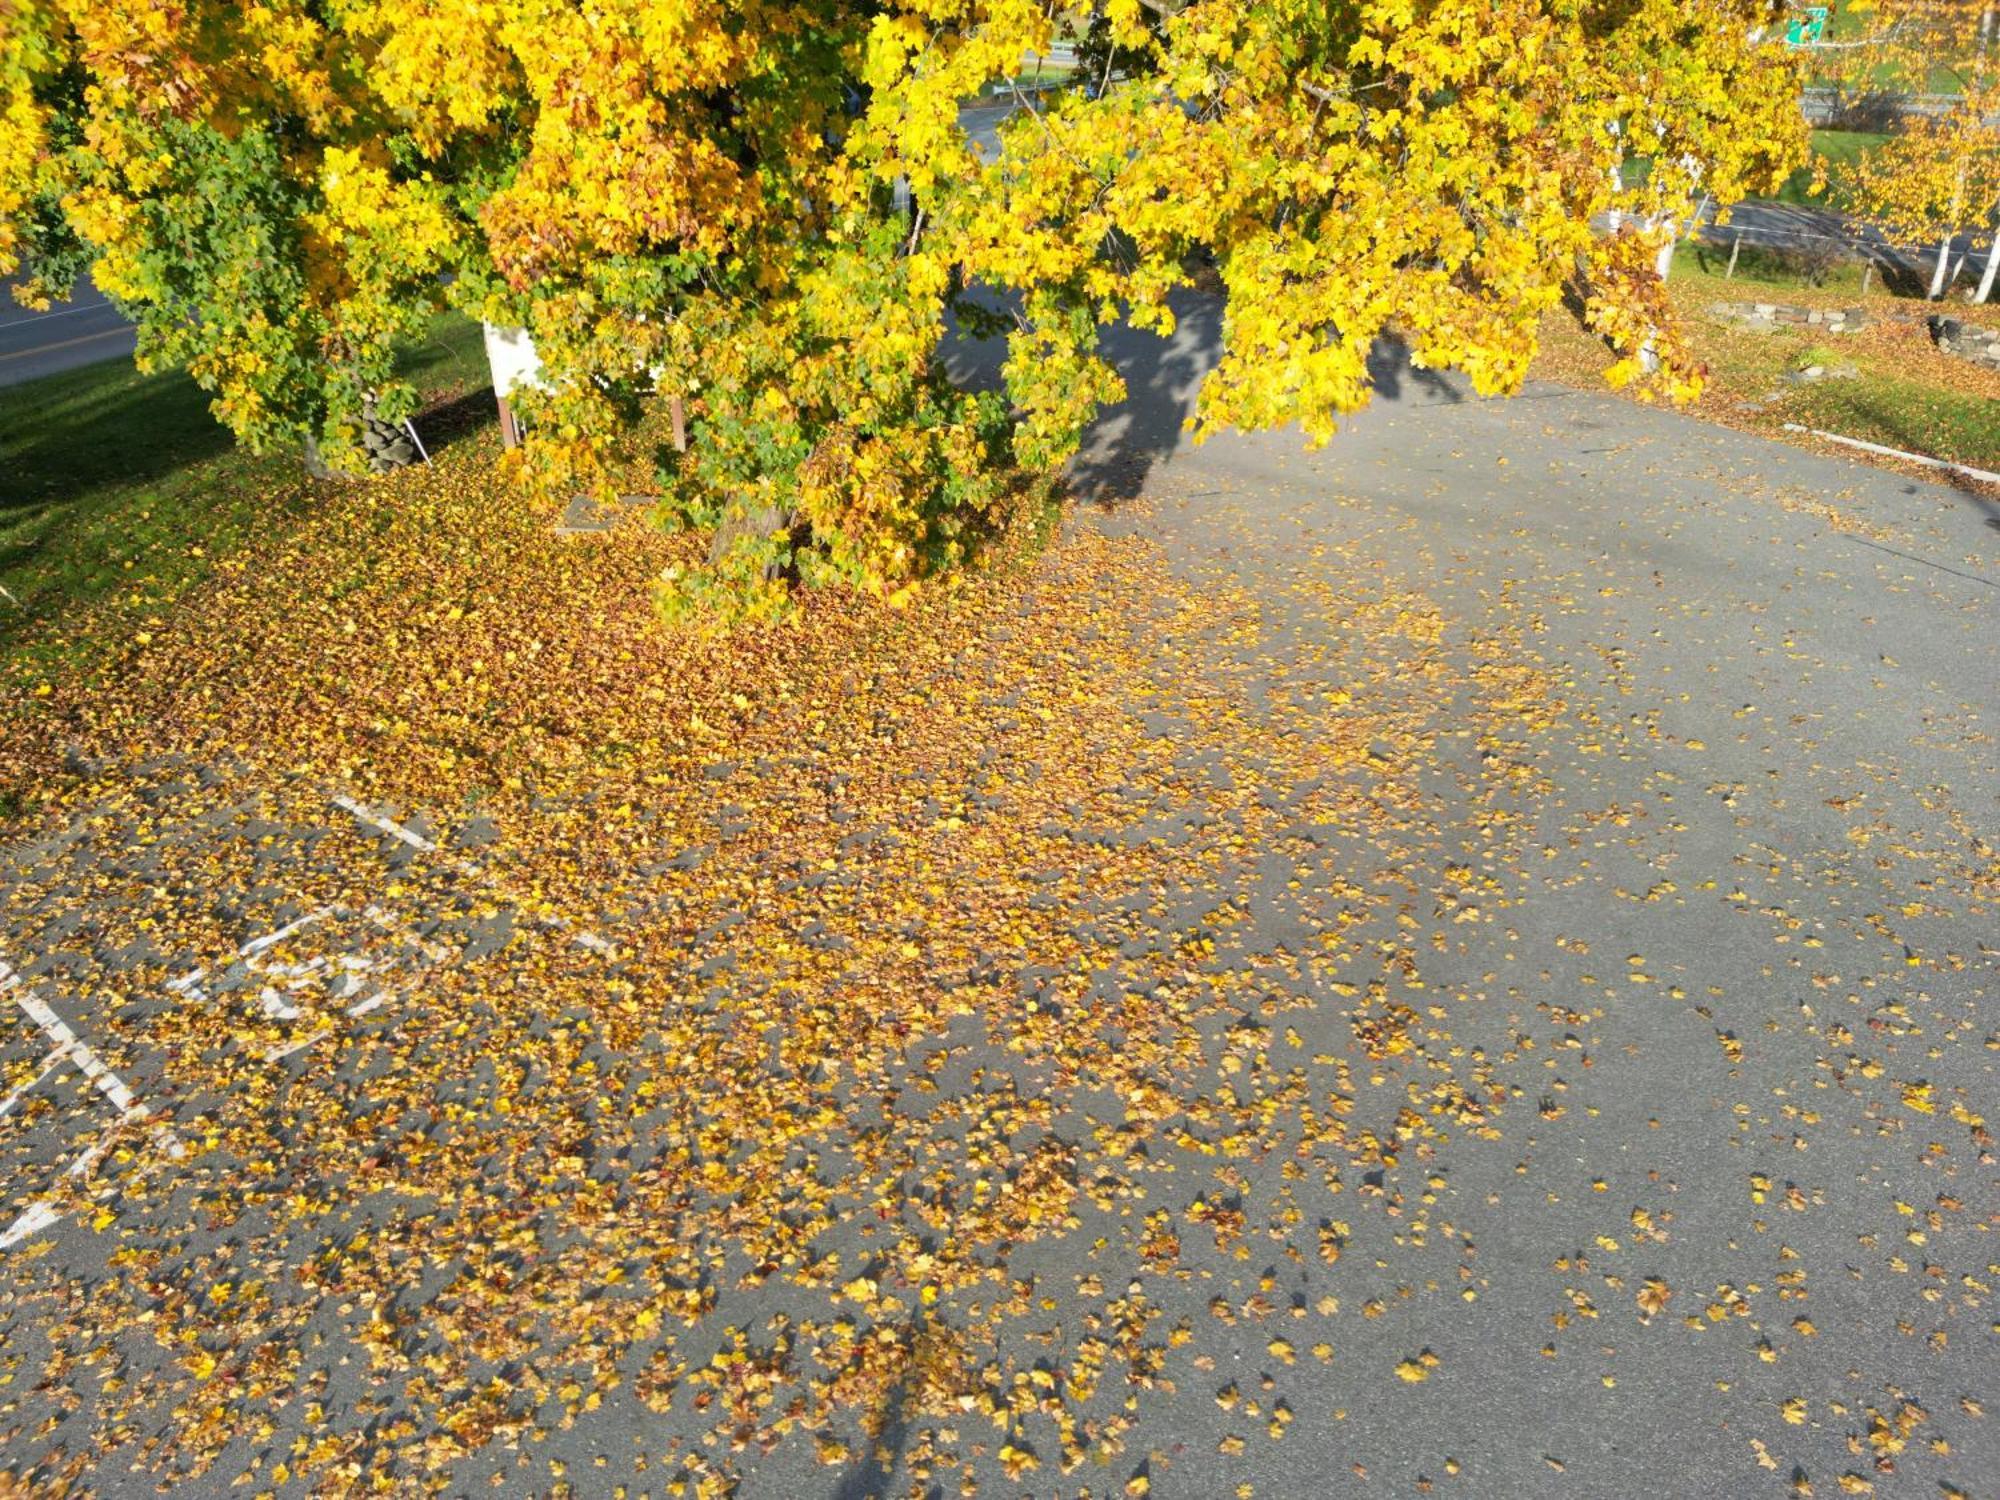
{"points": [[1807, 27]]}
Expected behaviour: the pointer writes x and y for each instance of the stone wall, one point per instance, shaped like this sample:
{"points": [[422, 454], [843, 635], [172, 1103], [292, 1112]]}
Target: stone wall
{"points": [[1763, 317], [1967, 341]]}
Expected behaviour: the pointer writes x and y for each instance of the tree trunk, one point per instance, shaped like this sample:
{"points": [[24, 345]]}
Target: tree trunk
{"points": [[1951, 233], [1943, 265], [1992, 271]]}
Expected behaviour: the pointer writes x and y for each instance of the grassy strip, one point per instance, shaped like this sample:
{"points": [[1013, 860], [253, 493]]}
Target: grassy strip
{"points": [[120, 488], [1904, 392], [1962, 426]]}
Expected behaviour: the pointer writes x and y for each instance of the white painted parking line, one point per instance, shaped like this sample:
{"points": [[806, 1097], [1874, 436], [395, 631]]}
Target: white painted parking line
{"points": [[285, 1049], [382, 823], [55, 1060], [270, 939], [32, 1220], [69, 1047], [57, 1030], [277, 1007], [342, 974]]}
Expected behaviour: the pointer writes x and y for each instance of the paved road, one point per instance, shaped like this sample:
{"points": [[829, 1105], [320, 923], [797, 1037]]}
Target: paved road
{"points": [[1458, 963], [84, 330]]}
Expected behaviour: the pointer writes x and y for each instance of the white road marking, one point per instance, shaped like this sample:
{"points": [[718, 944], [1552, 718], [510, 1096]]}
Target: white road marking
{"points": [[57, 1030], [382, 823], [55, 1060], [72, 1048], [68, 1047], [270, 939], [286, 1049], [277, 1007], [33, 1220]]}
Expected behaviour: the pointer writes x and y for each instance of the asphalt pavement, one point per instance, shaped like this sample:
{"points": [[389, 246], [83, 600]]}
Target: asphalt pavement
{"points": [[82, 331], [1570, 829]]}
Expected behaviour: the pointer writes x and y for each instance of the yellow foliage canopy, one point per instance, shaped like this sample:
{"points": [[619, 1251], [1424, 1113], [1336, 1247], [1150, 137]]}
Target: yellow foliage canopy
{"points": [[772, 210]]}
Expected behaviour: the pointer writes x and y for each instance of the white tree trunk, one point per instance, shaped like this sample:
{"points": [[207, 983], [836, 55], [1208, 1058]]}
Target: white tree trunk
{"points": [[1992, 271], [1938, 282], [1943, 265]]}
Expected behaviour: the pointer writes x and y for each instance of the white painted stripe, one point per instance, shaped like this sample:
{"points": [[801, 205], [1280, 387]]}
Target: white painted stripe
{"points": [[286, 1049], [86, 1163], [415, 840], [56, 1060], [382, 824], [270, 939], [277, 1007], [57, 1030], [33, 1220], [170, 1143], [108, 1083]]}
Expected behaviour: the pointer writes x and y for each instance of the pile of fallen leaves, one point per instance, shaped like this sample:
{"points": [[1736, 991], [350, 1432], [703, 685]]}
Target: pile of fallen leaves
{"points": [[431, 635]]}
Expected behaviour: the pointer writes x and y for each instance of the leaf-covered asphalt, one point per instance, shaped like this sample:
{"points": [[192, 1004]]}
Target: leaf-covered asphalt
{"points": [[1457, 963]]}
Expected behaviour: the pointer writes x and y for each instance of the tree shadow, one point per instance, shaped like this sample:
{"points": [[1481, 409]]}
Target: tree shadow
{"points": [[447, 424], [870, 1479], [1130, 440], [69, 434]]}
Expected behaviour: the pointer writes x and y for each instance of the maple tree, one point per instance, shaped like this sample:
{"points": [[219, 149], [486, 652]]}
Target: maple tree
{"points": [[1939, 175], [701, 200]]}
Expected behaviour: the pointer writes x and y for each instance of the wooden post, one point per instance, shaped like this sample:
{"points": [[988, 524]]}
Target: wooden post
{"points": [[1867, 273], [510, 429], [1735, 249], [677, 409]]}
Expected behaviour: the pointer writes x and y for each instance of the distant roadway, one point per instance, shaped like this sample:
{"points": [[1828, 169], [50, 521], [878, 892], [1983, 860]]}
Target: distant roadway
{"points": [[82, 331]]}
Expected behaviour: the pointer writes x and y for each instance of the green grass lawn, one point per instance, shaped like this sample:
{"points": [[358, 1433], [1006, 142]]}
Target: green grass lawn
{"points": [[120, 487], [1888, 403], [1920, 418]]}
